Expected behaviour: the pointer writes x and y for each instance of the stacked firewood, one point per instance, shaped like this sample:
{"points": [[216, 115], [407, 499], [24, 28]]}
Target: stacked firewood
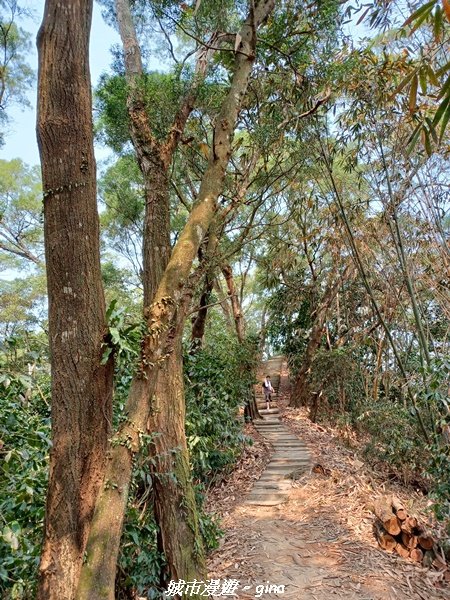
{"points": [[397, 531]]}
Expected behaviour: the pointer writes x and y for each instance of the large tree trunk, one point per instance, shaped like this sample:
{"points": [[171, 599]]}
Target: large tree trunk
{"points": [[175, 504], [177, 520], [81, 387], [98, 572]]}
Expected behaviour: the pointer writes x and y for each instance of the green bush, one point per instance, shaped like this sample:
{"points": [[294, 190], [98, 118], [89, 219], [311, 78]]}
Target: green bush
{"points": [[337, 374], [218, 381], [24, 446]]}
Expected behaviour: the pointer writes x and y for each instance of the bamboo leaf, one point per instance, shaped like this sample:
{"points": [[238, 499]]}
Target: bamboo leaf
{"points": [[427, 142], [413, 139], [362, 17], [437, 23], [441, 109], [420, 12], [403, 84], [423, 80], [432, 76], [432, 130], [445, 89], [444, 122], [413, 94], [421, 20], [443, 69]]}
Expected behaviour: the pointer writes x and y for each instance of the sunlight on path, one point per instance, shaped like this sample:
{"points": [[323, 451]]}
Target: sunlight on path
{"points": [[300, 542]]}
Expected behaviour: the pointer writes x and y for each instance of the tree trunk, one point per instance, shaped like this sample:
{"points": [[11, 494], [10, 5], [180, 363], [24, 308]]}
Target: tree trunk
{"points": [[81, 387], [199, 322], [300, 393], [175, 505], [98, 572], [251, 412], [178, 521], [235, 305], [223, 303]]}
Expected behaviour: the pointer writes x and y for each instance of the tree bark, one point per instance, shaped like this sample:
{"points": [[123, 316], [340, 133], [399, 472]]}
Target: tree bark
{"points": [[81, 387], [177, 520], [199, 322], [235, 304], [98, 572]]}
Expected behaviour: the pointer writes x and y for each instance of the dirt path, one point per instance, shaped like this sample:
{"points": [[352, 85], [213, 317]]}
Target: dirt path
{"points": [[312, 539]]}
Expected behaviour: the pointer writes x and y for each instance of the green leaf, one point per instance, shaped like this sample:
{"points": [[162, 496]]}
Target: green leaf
{"points": [[427, 142], [441, 110], [111, 309], [445, 120], [432, 130], [445, 88], [115, 335], [437, 23], [106, 355], [413, 139], [443, 69], [420, 13]]}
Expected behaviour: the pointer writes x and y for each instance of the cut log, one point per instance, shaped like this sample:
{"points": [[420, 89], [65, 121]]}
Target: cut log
{"points": [[416, 555], [401, 550], [385, 540], [408, 525], [383, 511], [408, 540], [398, 508], [425, 540]]}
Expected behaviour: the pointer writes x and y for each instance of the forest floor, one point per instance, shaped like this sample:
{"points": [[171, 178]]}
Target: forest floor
{"points": [[319, 543]]}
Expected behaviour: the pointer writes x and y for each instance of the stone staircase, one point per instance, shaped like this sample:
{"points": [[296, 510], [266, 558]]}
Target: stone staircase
{"points": [[290, 457]]}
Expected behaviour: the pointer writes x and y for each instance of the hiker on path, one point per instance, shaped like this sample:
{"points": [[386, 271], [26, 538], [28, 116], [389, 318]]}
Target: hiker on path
{"points": [[268, 390]]}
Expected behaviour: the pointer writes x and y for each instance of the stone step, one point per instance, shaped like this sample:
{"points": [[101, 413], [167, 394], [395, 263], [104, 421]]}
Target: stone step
{"points": [[266, 500], [272, 430], [281, 485], [266, 503], [289, 465], [288, 462], [292, 455], [278, 437]]}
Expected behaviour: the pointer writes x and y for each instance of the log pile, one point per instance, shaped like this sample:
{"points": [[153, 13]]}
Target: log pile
{"points": [[397, 531]]}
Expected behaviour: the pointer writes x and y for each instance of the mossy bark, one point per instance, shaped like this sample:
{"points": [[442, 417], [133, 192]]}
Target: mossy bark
{"points": [[98, 572], [175, 505], [167, 419]]}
